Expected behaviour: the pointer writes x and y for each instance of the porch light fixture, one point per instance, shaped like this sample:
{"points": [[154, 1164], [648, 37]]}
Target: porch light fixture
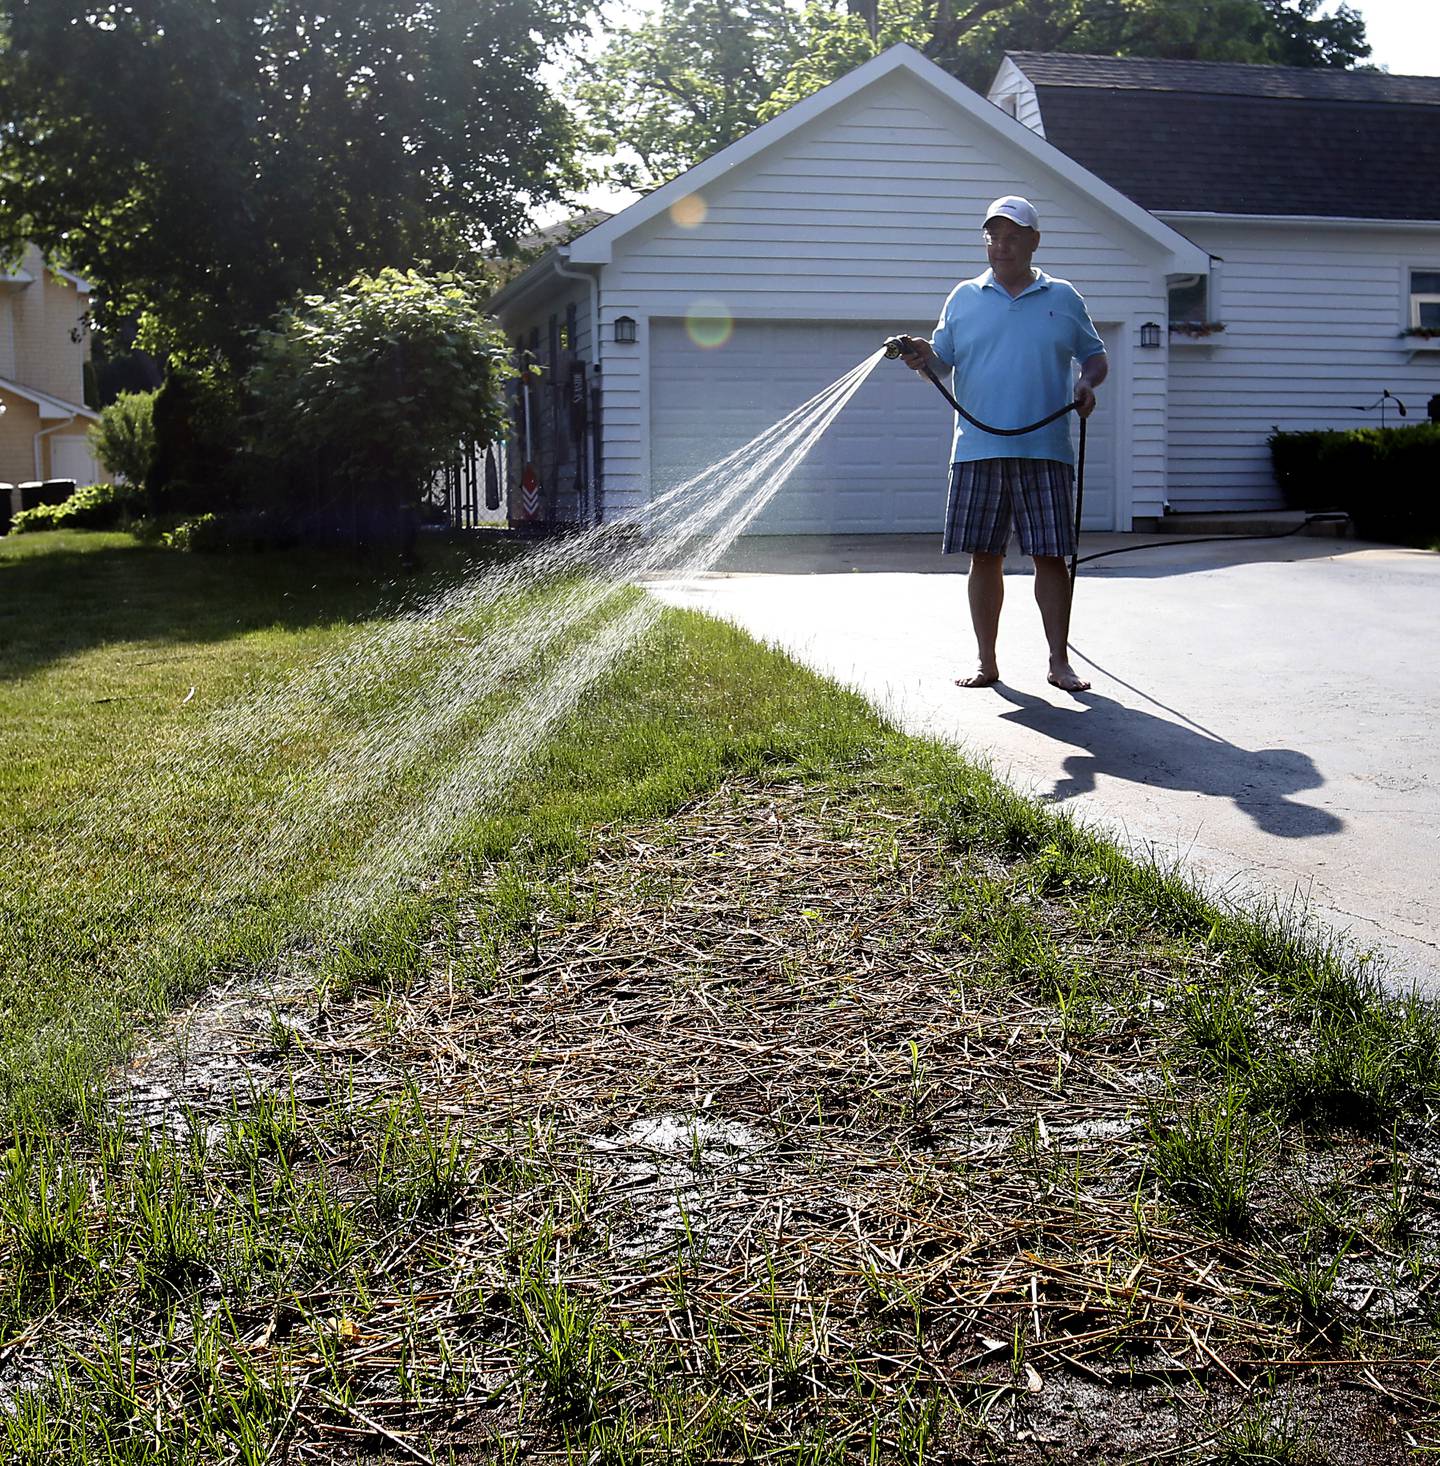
{"points": [[1150, 335], [624, 330]]}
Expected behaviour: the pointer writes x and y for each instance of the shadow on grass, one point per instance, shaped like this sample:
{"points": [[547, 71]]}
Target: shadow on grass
{"points": [[67, 593]]}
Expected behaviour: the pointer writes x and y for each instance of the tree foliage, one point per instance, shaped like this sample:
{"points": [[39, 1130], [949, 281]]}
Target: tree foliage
{"points": [[208, 160], [684, 81], [1274, 32], [381, 380], [838, 38], [1300, 35], [124, 437], [665, 91]]}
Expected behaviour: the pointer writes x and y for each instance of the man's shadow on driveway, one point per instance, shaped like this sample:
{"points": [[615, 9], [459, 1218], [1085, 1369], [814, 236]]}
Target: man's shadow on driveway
{"points": [[1128, 744]]}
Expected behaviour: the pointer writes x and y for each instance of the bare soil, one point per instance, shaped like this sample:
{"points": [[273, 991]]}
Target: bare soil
{"points": [[765, 1146]]}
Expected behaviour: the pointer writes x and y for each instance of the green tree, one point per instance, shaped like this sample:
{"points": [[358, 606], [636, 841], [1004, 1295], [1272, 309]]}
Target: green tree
{"points": [[207, 160], [684, 82], [654, 79], [366, 391], [124, 438], [1284, 32], [1300, 36], [838, 38]]}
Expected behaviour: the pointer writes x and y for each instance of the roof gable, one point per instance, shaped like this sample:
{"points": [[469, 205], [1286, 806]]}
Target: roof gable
{"points": [[597, 246], [49, 405], [1227, 138]]}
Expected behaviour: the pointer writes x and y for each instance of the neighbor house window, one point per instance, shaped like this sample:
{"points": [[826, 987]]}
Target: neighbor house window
{"points": [[1189, 299], [1425, 300]]}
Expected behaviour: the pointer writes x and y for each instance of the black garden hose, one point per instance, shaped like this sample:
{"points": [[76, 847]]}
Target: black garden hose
{"points": [[894, 346], [1221, 539]]}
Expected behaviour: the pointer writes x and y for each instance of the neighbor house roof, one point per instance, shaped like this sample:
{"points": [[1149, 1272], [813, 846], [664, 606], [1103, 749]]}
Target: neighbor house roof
{"points": [[1220, 137], [562, 231], [50, 406]]}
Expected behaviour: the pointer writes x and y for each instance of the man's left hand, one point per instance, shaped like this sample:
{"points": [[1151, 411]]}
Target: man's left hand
{"points": [[1085, 398]]}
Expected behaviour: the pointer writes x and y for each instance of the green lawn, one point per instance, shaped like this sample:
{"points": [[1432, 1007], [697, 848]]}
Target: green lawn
{"points": [[738, 1080]]}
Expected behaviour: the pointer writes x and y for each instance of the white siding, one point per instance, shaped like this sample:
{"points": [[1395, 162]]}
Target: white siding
{"points": [[871, 212], [534, 315], [1014, 92], [1312, 315]]}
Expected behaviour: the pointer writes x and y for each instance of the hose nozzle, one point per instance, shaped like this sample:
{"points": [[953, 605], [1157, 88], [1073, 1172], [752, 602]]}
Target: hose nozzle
{"points": [[895, 346]]}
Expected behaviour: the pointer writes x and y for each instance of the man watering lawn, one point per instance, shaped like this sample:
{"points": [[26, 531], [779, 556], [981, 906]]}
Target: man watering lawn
{"points": [[1010, 337]]}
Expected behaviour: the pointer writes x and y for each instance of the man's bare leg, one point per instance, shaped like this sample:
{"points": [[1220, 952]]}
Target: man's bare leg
{"points": [[1052, 594], [985, 585]]}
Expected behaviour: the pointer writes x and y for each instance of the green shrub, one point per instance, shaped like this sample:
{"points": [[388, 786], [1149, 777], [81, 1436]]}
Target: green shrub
{"points": [[32, 521], [210, 533], [99, 506], [1295, 461], [204, 534], [360, 396], [92, 506], [124, 438], [1382, 478], [198, 428]]}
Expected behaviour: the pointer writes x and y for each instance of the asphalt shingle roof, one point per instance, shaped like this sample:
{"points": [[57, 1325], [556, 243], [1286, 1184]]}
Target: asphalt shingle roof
{"points": [[1227, 138]]}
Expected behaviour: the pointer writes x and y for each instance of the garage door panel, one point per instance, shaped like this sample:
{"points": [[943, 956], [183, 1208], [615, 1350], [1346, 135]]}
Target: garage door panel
{"points": [[881, 467]]}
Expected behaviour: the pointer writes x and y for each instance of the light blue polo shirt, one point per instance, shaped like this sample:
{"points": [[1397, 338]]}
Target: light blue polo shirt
{"points": [[1012, 362]]}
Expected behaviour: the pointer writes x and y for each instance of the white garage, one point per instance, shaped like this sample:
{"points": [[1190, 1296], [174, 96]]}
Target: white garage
{"points": [[716, 304], [882, 466]]}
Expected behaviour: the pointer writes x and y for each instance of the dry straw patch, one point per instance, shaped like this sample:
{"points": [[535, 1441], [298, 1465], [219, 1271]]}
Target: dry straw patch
{"points": [[777, 1130]]}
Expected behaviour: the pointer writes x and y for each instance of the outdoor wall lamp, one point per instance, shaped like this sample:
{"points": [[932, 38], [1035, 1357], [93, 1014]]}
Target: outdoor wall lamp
{"points": [[1150, 335], [624, 330]]}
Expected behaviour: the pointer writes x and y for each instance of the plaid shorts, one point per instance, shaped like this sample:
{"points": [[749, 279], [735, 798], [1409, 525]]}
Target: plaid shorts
{"points": [[988, 496]]}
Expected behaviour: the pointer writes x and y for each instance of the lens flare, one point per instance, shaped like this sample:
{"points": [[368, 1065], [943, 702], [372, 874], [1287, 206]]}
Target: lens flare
{"points": [[689, 212], [709, 323]]}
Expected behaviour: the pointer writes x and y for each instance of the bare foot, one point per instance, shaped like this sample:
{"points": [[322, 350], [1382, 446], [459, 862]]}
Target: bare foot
{"points": [[983, 676], [1065, 677]]}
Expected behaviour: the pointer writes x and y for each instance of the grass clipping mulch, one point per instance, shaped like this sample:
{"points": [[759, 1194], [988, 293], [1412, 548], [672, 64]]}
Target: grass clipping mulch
{"points": [[780, 1131]]}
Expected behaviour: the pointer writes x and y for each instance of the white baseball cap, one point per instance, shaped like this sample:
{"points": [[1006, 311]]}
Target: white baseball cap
{"points": [[1017, 210]]}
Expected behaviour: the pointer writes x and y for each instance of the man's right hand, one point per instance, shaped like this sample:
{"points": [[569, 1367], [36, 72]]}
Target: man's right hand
{"points": [[915, 352]]}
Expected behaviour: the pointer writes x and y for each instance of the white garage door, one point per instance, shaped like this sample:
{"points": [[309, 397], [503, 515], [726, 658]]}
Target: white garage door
{"points": [[70, 457], [882, 466]]}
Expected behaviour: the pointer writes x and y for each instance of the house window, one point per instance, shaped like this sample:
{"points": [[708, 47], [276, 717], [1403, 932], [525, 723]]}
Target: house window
{"points": [[1425, 300], [1189, 299]]}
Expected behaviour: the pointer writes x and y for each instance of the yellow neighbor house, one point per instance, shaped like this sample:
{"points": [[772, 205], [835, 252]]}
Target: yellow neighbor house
{"points": [[44, 345]]}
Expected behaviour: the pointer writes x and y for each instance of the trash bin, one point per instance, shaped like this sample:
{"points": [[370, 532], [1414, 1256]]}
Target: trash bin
{"points": [[45, 491]]}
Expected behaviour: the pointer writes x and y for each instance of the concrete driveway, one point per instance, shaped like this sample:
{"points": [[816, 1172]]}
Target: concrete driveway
{"points": [[1269, 712]]}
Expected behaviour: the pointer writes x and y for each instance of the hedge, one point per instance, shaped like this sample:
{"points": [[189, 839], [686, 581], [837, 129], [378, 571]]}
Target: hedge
{"points": [[91, 506], [1385, 479]]}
